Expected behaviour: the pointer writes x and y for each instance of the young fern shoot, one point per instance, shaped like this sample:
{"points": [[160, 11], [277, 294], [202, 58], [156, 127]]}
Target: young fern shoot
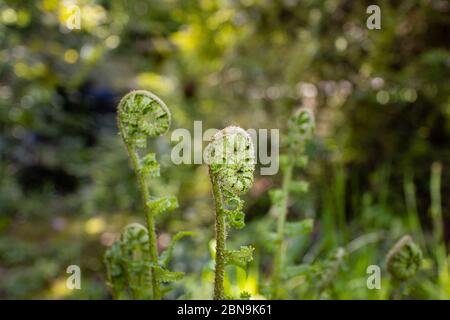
{"points": [[403, 262], [141, 115], [127, 262], [300, 130], [230, 157]]}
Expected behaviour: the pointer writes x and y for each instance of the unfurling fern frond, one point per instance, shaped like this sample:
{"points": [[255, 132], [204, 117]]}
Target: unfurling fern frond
{"points": [[300, 131], [142, 115], [404, 259], [128, 263], [230, 156]]}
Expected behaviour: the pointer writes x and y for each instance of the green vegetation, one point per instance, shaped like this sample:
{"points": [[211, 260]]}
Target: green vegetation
{"points": [[134, 258], [301, 127], [231, 165], [378, 162]]}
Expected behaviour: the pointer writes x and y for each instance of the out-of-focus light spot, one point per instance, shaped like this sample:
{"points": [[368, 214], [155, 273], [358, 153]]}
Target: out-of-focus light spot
{"points": [[94, 226], [19, 132], [59, 289], [50, 5], [5, 92], [340, 44], [112, 42], [92, 15], [59, 223], [366, 69], [353, 31], [27, 102], [206, 5], [250, 285], [345, 87], [164, 240], [155, 82], [256, 94], [221, 16], [86, 51], [377, 83], [383, 97], [21, 69], [23, 18], [307, 90], [291, 3], [409, 94], [14, 114], [9, 16], [329, 87], [108, 238], [71, 56], [187, 38]]}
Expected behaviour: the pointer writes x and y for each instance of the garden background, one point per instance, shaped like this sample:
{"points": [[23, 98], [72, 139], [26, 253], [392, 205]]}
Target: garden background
{"points": [[379, 164]]}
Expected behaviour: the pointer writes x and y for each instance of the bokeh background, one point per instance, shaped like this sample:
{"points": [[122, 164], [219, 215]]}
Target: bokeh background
{"points": [[382, 105]]}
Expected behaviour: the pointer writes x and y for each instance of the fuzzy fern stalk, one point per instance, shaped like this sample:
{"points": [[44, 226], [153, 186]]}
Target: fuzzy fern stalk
{"points": [[230, 157], [300, 131], [142, 115], [403, 261]]}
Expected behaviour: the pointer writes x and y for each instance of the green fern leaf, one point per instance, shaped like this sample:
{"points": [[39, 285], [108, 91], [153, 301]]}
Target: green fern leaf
{"points": [[239, 257], [166, 255], [164, 275], [162, 204], [148, 166]]}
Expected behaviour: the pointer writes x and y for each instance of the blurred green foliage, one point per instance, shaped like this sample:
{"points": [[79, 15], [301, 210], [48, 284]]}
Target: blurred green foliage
{"points": [[382, 105]]}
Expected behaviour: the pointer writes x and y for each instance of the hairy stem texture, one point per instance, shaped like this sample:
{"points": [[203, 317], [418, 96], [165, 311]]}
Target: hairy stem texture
{"points": [[144, 189], [220, 241]]}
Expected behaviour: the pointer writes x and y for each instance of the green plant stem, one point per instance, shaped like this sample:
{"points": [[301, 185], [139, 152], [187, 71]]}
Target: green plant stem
{"points": [[279, 251], [115, 292], [411, 207], [220, 241], [152, 241], [438, 229], [339, 193]]}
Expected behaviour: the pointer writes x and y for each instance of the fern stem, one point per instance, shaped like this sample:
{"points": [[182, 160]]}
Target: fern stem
{"points": [[279, 251], [143, 186], [230, 156], [116, 294], [438, 228], [220, 241]]}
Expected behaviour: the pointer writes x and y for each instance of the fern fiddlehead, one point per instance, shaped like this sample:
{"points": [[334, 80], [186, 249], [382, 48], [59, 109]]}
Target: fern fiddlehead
{"points": [[141, 115], [300, 130], [230, 156], [403, 262], [404, 259], [127, 262]]}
